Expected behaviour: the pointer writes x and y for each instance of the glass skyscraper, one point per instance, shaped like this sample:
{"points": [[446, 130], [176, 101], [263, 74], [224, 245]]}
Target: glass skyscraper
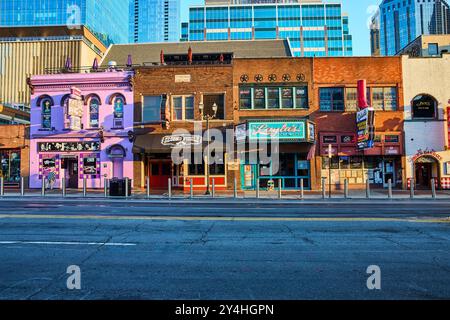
{"points": [[402, 21], [107, 19], [154, 21], [314, 28]]}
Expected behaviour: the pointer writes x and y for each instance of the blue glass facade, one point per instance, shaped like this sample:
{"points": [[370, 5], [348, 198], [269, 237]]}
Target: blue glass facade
{"points": [[154, 21], [313, 29], [401, 21], [107, 19]]}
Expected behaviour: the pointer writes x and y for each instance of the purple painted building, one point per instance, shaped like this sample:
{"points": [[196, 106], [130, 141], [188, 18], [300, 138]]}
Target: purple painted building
{"points": [[81, 128]]}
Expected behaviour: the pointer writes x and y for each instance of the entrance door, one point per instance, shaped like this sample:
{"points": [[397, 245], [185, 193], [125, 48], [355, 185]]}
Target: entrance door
{"points": [[423, 175], [160, 172], [72, 173], [388, 172], [118, 168]]}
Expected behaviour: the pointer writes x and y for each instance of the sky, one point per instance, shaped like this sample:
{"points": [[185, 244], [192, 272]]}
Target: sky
{"points": [[359, 12]]}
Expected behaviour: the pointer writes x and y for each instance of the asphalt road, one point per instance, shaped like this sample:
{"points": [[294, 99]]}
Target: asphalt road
{"points": [[200, 250]]}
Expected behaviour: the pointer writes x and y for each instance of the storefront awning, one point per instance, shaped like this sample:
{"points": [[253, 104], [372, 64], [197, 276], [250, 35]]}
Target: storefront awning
{"points": [[165, 143]]}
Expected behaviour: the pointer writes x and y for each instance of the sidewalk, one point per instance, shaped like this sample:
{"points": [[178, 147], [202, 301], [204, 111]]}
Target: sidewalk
{"points": [[378, 194]]}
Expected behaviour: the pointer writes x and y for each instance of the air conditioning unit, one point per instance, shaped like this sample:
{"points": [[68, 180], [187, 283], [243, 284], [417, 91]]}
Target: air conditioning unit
{"points": [[118, 123]]}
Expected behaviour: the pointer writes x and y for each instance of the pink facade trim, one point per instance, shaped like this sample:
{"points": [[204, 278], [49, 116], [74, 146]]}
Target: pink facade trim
{"points": [[80, 154]]}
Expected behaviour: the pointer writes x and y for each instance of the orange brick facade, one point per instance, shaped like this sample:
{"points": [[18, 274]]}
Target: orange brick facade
{"points": [[15, 138], [315, 73]]}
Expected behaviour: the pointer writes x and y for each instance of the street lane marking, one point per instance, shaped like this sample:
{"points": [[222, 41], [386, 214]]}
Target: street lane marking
{"points": [[68, 243], [249, 219]]}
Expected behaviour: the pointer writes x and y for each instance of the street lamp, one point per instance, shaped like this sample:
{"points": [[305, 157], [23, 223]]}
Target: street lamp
{"points": [[330, 157], [208, 117]]}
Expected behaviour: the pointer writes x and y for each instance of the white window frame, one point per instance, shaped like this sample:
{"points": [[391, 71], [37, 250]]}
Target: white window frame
{"points": [[183, 107]]}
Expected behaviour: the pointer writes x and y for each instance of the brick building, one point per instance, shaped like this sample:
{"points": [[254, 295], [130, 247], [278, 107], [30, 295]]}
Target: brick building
{"points": [[335, 105], [173, 98]]}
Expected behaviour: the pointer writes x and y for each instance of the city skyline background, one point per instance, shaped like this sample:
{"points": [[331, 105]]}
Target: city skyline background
{"points": [[359, 11]]}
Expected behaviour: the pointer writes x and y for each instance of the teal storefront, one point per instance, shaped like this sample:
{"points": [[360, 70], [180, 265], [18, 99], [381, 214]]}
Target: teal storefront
{"points": [[291, 162]]}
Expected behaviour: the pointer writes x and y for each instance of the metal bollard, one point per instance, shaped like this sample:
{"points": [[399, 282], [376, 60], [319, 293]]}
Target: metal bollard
{"points": [[235, 189], [257, 188], [63, 186], [213, 193], [324, 193], [346, 193], [105, 187], [84, 187], [147, 185], [170, 188], [192, 189], [126, 187], [411, 189], [22, 186], [43, 187], [302, 189], [433, 188], [2, 186], [280, 195], [390, 189], [367, 189]]}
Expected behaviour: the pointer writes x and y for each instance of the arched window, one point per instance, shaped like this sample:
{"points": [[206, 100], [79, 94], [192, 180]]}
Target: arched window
{"points": [[424, 106], [118, 112], [94, 105], [46, 113]]}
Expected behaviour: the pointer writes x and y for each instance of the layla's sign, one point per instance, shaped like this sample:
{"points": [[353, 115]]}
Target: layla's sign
{"points": [[277, 130], [68, 146]]}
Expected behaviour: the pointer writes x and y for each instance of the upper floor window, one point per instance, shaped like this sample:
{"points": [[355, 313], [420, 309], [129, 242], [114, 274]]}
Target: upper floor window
{"points": [[118, 112], [273, 97], [384, 99], [94, 105], [151, 108], [219, 100], [351, 98], [433, 49], [331, 99], [183, 108], [46, 113]]}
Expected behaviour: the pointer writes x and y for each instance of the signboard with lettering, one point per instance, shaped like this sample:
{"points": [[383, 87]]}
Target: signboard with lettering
{"points": [[68, 146], [181, 140], [364, 123], [180, 78], [424, 106], [288, 130]]}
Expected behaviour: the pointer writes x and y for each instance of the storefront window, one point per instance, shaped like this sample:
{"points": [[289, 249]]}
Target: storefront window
{"points": [[287, 98], [344, 162], [10, 165], [209, 100], [245, 96], [273, 98], [183, 108], [260, 98], [384, 98], [331, 99], [94, 113], [118, 112], [356, 163], [301, 98], [217, 169], [151, 109], [334, 162], [90, 165], [46, 114], [370, 163], [196, 170]]}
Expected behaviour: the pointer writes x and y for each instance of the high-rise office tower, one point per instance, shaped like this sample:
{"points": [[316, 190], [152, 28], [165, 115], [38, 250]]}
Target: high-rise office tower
{"points": [[313, 27], [108, 20], [402, 21], [154, 21], [375, 34]]}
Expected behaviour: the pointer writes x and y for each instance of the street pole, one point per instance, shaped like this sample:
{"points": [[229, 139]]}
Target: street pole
{"points": [[207, 193], [330, 156]]}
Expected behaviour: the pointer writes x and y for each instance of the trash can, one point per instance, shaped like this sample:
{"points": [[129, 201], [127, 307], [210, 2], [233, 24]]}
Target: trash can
{"points": [[117, 187]]}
